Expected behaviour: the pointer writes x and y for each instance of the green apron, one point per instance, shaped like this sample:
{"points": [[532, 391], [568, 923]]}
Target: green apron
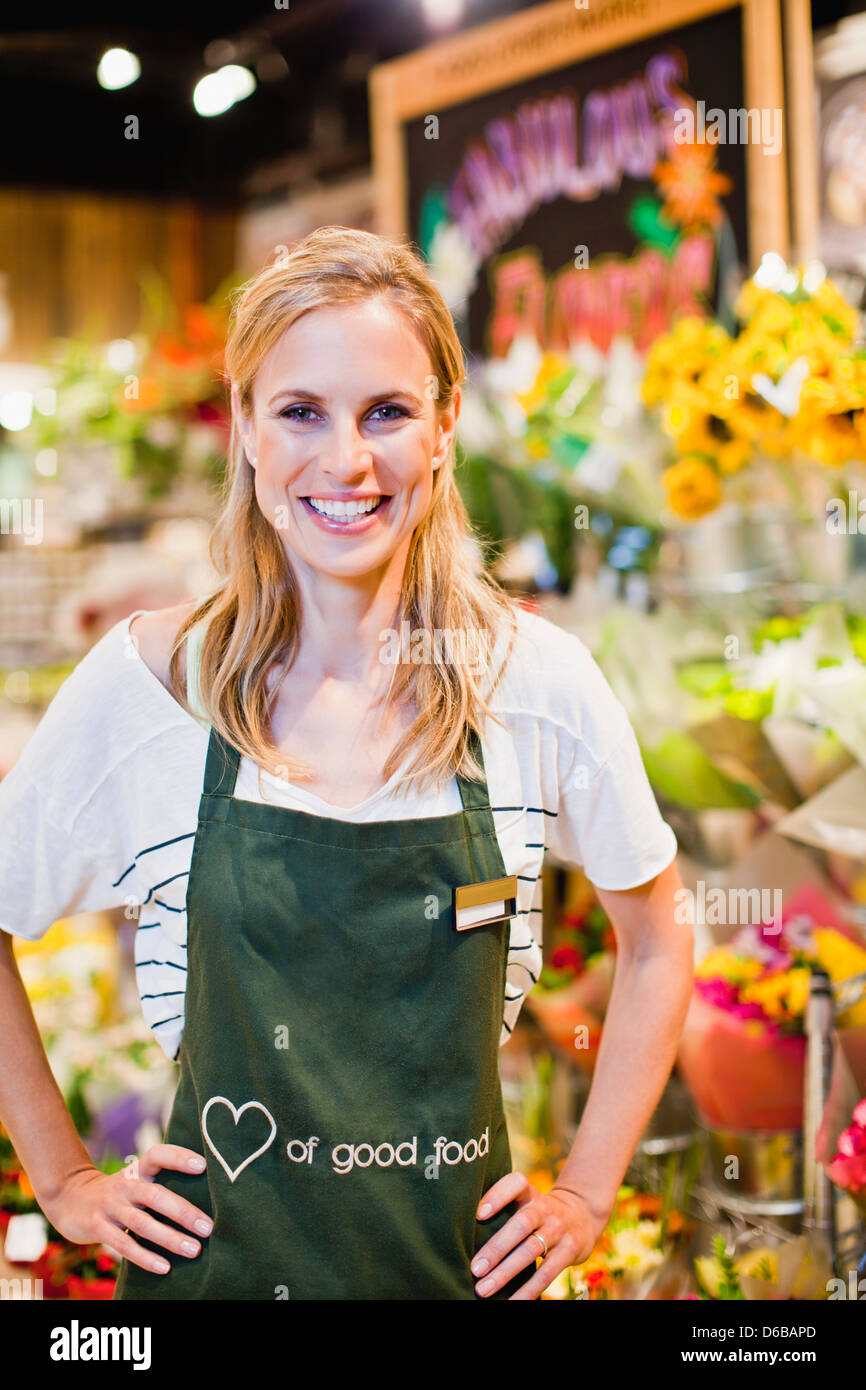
{"points": [[339, 1062]]}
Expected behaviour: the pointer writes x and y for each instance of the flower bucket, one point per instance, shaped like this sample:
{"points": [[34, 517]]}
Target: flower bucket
{"points": [[740, 1077], [567, 1023]]}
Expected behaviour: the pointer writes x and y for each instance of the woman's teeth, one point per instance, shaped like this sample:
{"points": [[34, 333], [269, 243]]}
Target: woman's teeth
{"points": [[344, 511]]}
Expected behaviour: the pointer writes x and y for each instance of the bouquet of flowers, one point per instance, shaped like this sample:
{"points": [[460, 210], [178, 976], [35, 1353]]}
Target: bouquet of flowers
{"points": [[573, 991], [791, 384], [743, 1046]]}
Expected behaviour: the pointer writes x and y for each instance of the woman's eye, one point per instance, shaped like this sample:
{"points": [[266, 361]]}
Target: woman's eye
{"points": [[291, 413], [398, 408]]}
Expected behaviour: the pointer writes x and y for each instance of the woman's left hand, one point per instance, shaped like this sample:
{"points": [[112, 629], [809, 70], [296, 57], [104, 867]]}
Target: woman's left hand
{"points": [[564, 1220]]}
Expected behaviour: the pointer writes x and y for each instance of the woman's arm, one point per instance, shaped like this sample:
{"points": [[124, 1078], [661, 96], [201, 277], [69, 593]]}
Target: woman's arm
{"points": [[651, 991], [648, 1005], [84, 1204], [32, 1109]]}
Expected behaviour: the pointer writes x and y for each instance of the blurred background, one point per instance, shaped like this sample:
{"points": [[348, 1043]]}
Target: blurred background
{"points": [[661, 446]]}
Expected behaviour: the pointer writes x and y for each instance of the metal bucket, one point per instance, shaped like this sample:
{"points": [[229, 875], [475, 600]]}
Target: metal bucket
{"points": [[756, 1164], [783, 1215]]}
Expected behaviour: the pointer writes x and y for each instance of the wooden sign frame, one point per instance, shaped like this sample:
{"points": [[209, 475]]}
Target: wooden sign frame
{"points": [[556, 35]]}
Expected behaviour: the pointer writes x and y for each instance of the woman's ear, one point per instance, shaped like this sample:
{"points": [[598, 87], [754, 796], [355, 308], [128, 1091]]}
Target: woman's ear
{"points": [[245, 428], [447, 428]]}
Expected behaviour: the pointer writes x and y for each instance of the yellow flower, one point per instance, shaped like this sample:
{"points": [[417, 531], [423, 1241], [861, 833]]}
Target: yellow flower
{"points": [[760, 1263], [734, 455], [782, 995], [693, 487], [636, 1247], [567, 1284], [537, 448], [550, 367], [841, 958], [722, 962]]}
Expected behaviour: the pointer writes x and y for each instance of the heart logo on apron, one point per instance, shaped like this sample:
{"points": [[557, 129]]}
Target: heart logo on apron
{"points": [[236, 1115]]}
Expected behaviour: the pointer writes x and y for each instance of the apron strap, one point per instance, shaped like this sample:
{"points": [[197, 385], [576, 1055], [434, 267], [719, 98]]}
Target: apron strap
{"points": [[221, 769], [474, 795]]}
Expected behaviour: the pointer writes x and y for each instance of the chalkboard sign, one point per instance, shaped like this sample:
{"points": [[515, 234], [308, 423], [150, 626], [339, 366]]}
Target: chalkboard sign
{"points": [[581, 172]]}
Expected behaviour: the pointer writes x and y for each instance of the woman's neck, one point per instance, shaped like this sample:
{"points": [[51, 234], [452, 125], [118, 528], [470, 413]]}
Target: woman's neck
{"points": [[342, 622]]}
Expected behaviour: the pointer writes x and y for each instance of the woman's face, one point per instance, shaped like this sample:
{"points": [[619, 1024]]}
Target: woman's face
{"points": [[344, 437]]}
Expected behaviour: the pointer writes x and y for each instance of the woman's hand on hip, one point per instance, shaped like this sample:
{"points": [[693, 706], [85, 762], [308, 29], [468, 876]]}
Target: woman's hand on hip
{"points": [[109, 1208], [557, 1225]]}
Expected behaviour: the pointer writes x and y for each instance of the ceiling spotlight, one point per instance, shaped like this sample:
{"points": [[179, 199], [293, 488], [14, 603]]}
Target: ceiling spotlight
{"points": [[221, 89], [442, 14], [117, 68]]}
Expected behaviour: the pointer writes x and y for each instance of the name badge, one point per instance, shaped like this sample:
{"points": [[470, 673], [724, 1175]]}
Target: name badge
{"points": [[479, 904]]}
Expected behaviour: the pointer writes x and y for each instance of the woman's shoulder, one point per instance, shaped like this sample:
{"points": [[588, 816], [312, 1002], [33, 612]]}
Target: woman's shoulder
{"points": [[153, 635], [549, 664]]}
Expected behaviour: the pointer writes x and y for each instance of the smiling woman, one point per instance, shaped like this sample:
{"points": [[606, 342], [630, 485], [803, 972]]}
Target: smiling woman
{"points": [[335, 966], [345, 370]]}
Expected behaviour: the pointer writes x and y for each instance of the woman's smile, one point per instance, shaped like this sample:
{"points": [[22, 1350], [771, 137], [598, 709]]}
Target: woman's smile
{"points": [[348, 513]]}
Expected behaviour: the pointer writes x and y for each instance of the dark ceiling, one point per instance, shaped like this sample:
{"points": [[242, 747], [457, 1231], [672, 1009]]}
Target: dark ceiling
{"points": [[61, 130]]}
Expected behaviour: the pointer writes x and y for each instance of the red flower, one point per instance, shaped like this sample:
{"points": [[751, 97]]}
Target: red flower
{"points": [[567, 958], [105, 1263]]}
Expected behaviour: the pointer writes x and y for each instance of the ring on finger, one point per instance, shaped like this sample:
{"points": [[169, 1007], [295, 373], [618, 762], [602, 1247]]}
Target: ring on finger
{"points": [[536, 1235]]}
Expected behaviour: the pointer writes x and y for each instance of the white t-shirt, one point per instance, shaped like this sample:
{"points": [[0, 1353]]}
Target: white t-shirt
{"points": [[100, 810]]}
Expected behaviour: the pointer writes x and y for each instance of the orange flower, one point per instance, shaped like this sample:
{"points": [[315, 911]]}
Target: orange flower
{"points": [[172, 349], [693, 487], [201, 327], [691, 185]]}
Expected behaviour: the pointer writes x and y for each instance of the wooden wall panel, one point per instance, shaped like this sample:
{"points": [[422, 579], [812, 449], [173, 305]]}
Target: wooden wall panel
{"points": [[73, 260]]}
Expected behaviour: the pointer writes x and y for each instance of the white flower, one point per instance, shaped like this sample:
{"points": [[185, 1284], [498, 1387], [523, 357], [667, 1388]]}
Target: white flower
{"points": [[517, 370], [477, 430], [454, 265], [635, 1248]]}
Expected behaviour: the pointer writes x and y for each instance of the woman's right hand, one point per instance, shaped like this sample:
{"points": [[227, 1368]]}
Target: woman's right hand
{"points": [[95, 1208]]}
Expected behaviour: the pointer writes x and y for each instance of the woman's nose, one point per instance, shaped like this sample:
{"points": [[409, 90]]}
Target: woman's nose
{"points": [[346, 452]]}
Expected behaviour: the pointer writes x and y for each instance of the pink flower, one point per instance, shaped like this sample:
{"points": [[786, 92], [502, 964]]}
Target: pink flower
{"points": [[859, 1115], [852, 1142], [721, 993]]}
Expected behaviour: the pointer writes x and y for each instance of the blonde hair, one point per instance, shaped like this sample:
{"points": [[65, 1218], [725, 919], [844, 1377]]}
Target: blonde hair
{"points": [[252, 621]]}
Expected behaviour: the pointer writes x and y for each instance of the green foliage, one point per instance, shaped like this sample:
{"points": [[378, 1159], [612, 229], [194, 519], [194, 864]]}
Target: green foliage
{"points": [[682, 773], [506, 502], [729, 1289]]}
